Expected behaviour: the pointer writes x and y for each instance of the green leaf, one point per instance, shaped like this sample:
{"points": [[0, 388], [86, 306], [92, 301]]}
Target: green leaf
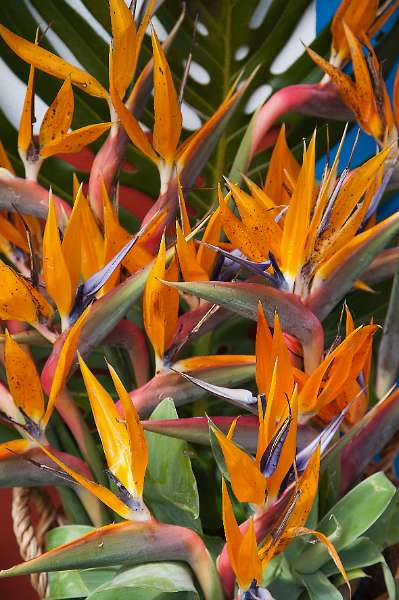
{"points": [[389, 580], [362, 553], [339, 581], [129, 543], [150, 578], [167, 485], [279, 579], [387, 363], [320, 588], [112, 583], [368, 500], [363, 441], [72, 584], [242, 157], [141, 594], [385, 531]]}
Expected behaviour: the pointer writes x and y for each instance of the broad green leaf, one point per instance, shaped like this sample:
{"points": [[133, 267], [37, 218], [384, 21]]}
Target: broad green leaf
{"points": [[320, 588], [141, 594], [362, 553], [390, 582], [385, 531], [152, 577], [338, 580], [166, 485], [367, 501], [279, 579], [363, 441], [243, 155], [387, 363], [72, 584], [376, 487], [132, 544]]}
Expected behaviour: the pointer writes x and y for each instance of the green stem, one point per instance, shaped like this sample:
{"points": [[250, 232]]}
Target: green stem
{"points": [[98, 513], [77, 425], [73, 508], [71, 504], [66, 440]]}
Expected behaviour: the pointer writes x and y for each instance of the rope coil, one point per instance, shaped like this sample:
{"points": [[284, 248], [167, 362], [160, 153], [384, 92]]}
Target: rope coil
{"points": [[30, 539]]}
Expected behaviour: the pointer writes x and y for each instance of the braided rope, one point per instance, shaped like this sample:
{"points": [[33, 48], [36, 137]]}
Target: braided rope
{"points": [[30, 540]]}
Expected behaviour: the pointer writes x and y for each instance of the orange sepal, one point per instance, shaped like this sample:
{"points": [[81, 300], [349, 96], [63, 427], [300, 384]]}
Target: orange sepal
{"points": [[74, 141], [12, 447], [264, 358], [112, 431], [344, 83], [196, 363], [259, 222], [71, 243], [137, 441], [297, 219], [131, 125], [55, 270], [92, 243], [64, 363], [168, 117], [247, 481], [16, 300], [205, 256], [359, 16], [25, 132], [288, 451], [307, 490], [23, 380], [190, 268], [160, 303], [58, 117], [237, 232], [241, 548], [50, 63], [282, 161], [12, 234], [124, 44], [5, 162]]}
